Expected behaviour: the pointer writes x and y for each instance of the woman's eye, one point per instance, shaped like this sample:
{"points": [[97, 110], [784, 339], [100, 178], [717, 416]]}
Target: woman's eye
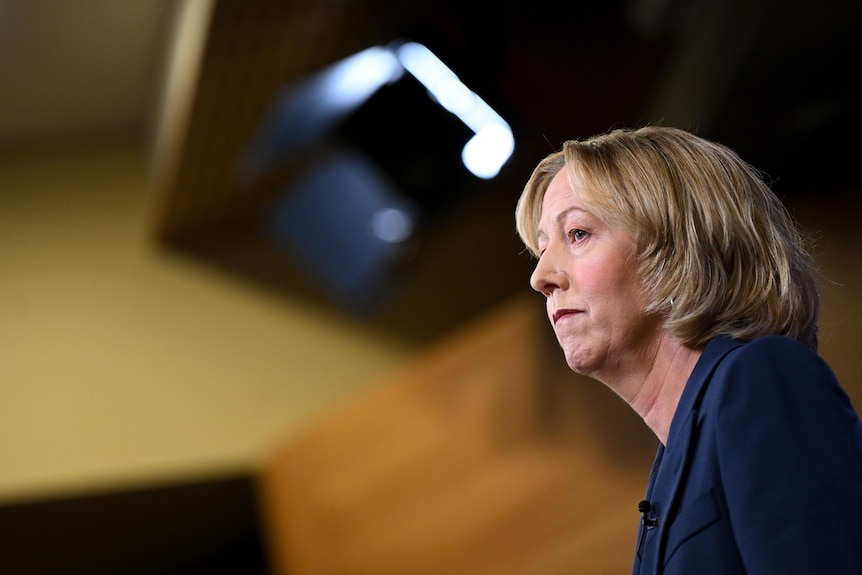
{"points": [[577, 235]]}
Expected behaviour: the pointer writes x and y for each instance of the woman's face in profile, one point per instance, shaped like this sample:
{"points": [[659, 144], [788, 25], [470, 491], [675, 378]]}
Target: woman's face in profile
{"points": [[587, 270]]}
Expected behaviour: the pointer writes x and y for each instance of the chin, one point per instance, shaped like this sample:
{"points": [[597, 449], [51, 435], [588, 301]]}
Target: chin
{"points": [[579, 364]]}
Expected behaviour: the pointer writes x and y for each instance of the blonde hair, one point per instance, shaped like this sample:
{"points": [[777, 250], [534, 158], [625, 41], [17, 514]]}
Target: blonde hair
{"points": [[718, 252]]}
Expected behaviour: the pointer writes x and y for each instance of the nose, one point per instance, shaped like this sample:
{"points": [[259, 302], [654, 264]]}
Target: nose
{"points": [[547, 278]]}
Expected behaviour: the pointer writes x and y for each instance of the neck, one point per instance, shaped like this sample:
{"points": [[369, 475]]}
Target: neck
{"points": [[656, 394]]}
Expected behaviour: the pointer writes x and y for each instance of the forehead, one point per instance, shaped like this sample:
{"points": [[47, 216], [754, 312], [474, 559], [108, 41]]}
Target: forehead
{"points": [[563, 185], [563, 194]]}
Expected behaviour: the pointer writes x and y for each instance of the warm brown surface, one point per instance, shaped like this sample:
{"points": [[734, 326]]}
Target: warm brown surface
{"points": [[485, 456]]}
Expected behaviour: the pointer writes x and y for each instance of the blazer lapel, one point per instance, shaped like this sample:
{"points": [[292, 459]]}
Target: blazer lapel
{"points": [[670, 471], [665, 487]]}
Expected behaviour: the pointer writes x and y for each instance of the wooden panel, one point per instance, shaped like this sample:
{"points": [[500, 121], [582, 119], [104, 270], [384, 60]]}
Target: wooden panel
{"points": [[253, 48], [485, 456]]}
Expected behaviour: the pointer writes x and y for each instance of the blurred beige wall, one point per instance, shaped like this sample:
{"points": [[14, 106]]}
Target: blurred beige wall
{"points": [[119, 362]]}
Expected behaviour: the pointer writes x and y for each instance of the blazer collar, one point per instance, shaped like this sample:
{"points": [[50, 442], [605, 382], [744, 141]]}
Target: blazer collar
{"points": [[713, 353], [671, 460]]}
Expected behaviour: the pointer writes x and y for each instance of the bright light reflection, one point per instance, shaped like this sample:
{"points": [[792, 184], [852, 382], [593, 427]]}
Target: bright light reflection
{"points": [[355, 79], [486, 152], [493, 142]]}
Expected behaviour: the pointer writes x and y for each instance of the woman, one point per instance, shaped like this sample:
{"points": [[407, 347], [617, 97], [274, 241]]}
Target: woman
{"points": [[673, 275]]}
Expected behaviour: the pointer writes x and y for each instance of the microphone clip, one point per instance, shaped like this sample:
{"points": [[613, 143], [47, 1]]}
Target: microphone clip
{"points": [[647, 523], [644, 509]]}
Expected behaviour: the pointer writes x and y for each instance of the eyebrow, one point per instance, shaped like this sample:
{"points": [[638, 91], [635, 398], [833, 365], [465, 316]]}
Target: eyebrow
{"points": [[559, 219]]}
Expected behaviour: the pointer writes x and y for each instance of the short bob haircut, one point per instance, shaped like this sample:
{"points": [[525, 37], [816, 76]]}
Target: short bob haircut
{"points": [[718, 252]]}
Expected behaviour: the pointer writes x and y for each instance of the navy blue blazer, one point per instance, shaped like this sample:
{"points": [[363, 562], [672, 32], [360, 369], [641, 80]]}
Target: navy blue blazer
{"points": [[762, 471]]}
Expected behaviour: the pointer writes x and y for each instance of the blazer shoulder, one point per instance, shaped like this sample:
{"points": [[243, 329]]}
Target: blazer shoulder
{"points": [[775, 355], [766, 366]]}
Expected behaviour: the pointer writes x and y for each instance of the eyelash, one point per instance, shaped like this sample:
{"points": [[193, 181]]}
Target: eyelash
{"points": [[573, 236]]}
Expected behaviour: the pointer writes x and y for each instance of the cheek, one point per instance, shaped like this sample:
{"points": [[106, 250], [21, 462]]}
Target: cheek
{"points": [[617, 282], [600, 277]]}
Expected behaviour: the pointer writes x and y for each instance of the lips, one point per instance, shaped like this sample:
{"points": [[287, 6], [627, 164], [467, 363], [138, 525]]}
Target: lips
{"points": [[561, 313]]}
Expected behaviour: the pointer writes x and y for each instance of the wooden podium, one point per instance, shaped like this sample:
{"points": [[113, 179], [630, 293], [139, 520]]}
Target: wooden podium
{"points": [[485, 455]]}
